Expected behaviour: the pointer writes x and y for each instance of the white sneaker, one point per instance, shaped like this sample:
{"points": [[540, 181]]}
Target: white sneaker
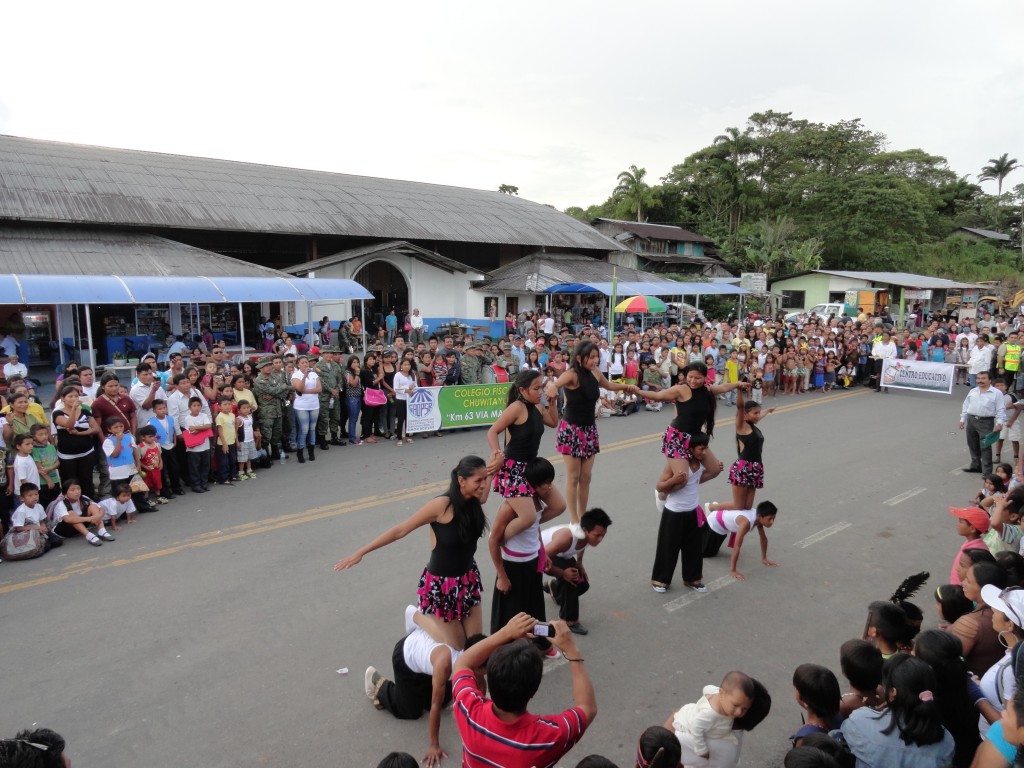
{"points": [[410, 612], [659, 589], [659, 502], [577, 531]]}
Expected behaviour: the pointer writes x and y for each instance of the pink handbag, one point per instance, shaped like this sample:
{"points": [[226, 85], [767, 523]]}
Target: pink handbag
{"points": [[374, 397]]}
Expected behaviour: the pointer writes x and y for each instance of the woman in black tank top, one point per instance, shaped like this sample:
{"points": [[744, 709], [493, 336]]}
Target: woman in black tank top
{"points": [[746, 474], [577, 432], [524, 419], [695, 406], [449, 587]]}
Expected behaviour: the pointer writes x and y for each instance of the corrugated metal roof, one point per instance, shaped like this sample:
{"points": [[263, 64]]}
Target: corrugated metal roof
{"points": [[903, 279], [678, 258], [989, 233], [73, 251], [537, 273], [658, 231], [46, 181], [395, 246]]}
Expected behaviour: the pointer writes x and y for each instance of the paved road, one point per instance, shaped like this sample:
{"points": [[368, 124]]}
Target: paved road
{"points": [[211, 632]]}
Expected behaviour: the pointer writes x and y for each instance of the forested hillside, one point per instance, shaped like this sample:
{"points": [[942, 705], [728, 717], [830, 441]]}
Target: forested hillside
{"points": [[784, 194]]}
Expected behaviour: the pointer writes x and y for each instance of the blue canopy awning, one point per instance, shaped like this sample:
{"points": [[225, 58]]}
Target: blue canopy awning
{"points": [[662, 288], [114, 289]]}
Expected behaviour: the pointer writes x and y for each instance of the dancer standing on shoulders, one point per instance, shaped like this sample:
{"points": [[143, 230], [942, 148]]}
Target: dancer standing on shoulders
{"points": [[695, 414], [449, 587], [577, 433], [524, 419], [746, 474]]}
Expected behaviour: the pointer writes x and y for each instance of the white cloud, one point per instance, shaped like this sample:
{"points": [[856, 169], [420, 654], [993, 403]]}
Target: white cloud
{"points": [[556, 98]]}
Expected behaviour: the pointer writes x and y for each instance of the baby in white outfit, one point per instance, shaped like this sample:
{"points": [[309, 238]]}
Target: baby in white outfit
{"points": [[711, 718]]}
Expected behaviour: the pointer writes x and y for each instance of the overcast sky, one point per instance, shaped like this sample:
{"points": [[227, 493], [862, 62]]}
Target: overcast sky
{"points": [[553, 97]]}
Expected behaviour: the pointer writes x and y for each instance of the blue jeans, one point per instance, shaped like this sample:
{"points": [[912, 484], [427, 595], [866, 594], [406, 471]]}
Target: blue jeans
{"points": [[226, 463], [305, 427], [354, 404], [972, 380]]}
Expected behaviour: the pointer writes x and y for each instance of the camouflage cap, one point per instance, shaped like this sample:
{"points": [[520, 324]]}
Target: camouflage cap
{"points": [[264, 361]]}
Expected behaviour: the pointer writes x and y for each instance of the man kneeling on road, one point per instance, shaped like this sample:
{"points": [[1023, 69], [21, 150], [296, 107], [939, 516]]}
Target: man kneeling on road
{"points": [[422, 668], [499, 730]]}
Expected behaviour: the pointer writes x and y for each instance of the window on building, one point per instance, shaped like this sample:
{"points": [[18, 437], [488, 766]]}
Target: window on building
{"points": [[793, 299], [836, 297]]}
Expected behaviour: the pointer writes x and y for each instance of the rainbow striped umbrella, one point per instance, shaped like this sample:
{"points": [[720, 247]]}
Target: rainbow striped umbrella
{"points": [[641, 304]]}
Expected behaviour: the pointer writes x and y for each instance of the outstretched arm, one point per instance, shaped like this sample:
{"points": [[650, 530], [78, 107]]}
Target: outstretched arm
{"points": [[426, 514], [518, 626], [441, 663], [678, 392]]}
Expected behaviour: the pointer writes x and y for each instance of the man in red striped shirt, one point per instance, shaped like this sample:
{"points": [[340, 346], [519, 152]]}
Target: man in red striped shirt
{"points": [[499, 732]]}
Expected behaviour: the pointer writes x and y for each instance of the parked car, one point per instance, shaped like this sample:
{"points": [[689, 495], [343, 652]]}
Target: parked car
{"points": [[823, 312]]}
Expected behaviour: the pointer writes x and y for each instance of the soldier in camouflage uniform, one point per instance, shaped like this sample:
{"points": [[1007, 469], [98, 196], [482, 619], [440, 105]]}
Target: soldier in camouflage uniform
{"points": [[472, 365], [507, 360], [280, 375], [268, 389], [332, 389]]}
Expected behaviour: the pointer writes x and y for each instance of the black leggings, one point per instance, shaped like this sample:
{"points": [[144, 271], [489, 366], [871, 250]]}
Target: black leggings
{"points": [[402, 409], [81, 469]]}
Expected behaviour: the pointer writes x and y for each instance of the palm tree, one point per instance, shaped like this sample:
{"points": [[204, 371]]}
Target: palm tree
{"points": [[633, 190], [998, 169]]}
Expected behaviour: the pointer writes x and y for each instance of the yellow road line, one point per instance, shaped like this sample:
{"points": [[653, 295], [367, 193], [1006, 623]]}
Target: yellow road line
{"points": [[268, 525]]}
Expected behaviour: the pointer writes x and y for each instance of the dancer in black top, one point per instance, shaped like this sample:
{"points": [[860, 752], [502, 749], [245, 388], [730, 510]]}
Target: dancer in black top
{"points": [[449, 588], [746, 474], [524, 420], [577, 432], [695, 413]]}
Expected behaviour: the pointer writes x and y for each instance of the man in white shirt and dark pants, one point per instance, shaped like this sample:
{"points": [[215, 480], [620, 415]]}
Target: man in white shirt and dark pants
{"points": [[980, 359], [982, 413], [881, 350]]}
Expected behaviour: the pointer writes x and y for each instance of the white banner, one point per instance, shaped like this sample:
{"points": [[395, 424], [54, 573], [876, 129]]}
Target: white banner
{"points": [[919, 375]]}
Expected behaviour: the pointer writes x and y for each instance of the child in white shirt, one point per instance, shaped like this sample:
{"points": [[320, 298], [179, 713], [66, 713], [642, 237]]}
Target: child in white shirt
{"points": [[711, 718], [30, 515], [119, 504], [25, 469]]}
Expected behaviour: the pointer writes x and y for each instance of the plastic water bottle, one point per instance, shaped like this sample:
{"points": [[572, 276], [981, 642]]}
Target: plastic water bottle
{"points": [[284, 457]]}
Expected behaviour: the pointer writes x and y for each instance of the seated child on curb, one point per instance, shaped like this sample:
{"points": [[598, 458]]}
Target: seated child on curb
{"points": [[817, 692], [119, 503], [711, 718], [861, 664]]}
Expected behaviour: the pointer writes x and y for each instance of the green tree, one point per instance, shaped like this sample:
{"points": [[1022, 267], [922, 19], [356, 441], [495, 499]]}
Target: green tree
{"points": [[508, 189], [998, 168], [633, 191]]}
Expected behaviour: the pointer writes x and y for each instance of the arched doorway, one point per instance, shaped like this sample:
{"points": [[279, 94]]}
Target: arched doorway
{"points": [[389, 288]]}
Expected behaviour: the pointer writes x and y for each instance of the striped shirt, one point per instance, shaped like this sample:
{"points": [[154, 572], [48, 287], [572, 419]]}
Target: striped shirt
{"points": [[530, 740]]}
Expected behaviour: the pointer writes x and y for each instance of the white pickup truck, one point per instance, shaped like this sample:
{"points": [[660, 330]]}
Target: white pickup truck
{"points": [[823, 311]]}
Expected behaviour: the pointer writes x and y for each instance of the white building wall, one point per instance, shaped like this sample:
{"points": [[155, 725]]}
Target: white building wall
{"points": [[435, 292], [837, 283]]}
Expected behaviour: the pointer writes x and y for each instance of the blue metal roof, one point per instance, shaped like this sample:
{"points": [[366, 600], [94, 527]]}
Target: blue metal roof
{"points": [[114, 289], [662, 288]]}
